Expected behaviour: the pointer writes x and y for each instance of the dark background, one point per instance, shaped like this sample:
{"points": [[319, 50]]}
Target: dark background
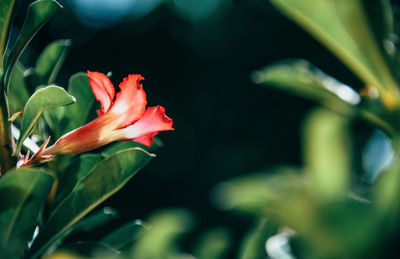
{"points": [[197, 64]]}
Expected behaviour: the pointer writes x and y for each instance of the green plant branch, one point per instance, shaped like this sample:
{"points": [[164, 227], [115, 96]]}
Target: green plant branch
{"points": [[6, 160]]}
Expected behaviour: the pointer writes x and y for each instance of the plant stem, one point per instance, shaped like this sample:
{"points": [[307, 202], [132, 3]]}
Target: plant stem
{"points": [[6, 160]]}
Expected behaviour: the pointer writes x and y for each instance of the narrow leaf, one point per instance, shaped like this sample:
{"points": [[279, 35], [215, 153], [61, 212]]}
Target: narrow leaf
{"points": [[24, 192], [39, 13], [343, 27], [302, 78], [103, 180], [213, 244], [87, 224], [96, 219], [166, 226], [258, 192], [7, 8], [327, 153], [19, 93], [43, 99], [125, 235], [253, 244], [50, 60]]}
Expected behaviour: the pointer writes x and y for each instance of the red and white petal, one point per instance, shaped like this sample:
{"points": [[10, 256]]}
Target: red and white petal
{"points": [[103, 90], [95, 134], [153, 121], [130, 102]]}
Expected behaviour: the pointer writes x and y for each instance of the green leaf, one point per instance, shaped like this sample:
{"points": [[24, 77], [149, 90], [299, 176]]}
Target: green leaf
{"points": [[76, 115], [299, 77], [96, 219], [386, 193], [79, 167], [121, 145], [7, 8], [166, 226], [115, 147], [18, 94], [39, 13], [125, 235], [256, 193], [50, 60], [328, 154], [65, 119], [302, 78], [380, 17], [213, 244], [106, 178], [43, 99], [90, 249], [23, 193], [343, 27], [32, 79], [87, 224], [253, 244]]}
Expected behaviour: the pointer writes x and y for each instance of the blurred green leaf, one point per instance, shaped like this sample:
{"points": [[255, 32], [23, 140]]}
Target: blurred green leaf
{"points": [[106, 178], [51, 59], [43, 99], [65, 254], [256, 193], [386, 196], [196, 11], [125, 235], [79, 167], [18, 94], [165, 227], [23, 193], [328, 153], [213, 244], [253, 244], [302, 78], [91, 249], [39, 13], [331, 229], [380, 18], [343, 27]]}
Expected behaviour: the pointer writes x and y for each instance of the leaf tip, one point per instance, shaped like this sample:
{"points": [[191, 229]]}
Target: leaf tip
{"points": [[256, 77]]}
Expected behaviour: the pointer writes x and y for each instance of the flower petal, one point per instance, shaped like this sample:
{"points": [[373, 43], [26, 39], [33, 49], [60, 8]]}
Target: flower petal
{"points": [[152, 121], [95, 134], [146, 140], [130, 102], [103, 90]]}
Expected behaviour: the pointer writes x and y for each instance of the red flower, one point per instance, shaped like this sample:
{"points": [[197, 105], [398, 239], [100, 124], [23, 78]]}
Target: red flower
{"points": [[122, 118]]}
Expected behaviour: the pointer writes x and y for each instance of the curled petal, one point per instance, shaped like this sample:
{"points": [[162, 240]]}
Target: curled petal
{"points": [[153, 121], [130, 102], [103, 90]]}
